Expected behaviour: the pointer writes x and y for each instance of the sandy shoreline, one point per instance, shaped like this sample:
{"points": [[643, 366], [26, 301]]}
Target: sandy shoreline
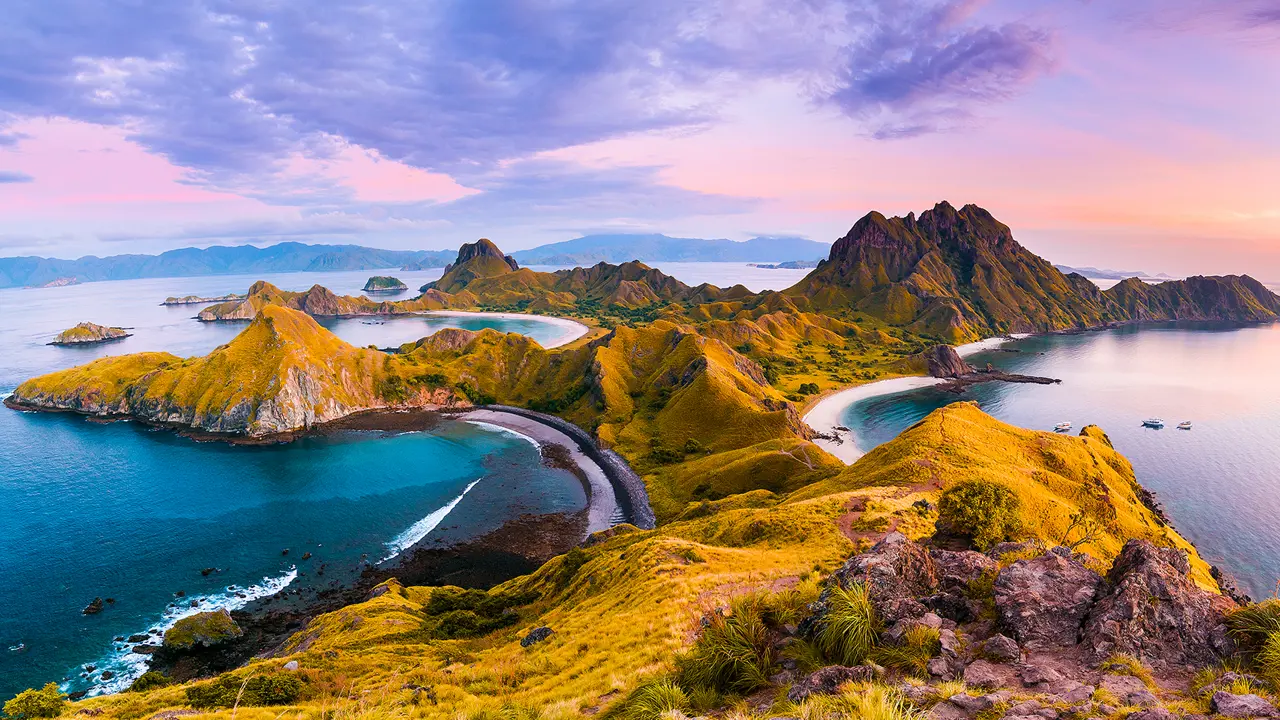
{"points": [[570, 330], [825, 416], [602, 503]]}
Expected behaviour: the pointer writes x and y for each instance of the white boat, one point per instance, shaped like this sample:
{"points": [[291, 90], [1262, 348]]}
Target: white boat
{"points": [[1062, 427], [1153, 423], [1184, 425]]}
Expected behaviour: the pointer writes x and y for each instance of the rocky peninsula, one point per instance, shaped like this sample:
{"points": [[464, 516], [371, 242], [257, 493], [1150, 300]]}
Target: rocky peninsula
{"points": [[87, 333], [198, 300]]}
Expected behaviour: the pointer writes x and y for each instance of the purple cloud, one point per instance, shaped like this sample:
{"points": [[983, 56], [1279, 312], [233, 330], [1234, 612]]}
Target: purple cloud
{"points": [[13, 176]]}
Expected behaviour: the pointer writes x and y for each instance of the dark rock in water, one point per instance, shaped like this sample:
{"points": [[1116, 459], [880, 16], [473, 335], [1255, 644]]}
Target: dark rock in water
{"points": [[536, 635], [945, 362], [306, 556], [1151, 608], [107, 675], [142, 637], [1043, 602], [208, 571], [284, 551], [1240, 706], [145, 649], [118, 638], [94, 607], [828, 680], [77, 695], [90, 668], [180, 593]]}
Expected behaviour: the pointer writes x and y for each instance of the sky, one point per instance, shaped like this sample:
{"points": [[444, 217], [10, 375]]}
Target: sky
{"points": [[1127, 134]]}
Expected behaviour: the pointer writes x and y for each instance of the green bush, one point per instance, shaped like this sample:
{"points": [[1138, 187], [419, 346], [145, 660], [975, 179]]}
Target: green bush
{"points": [[848, 632], [46, 702], [150, 680], [986, 511], [230, 691], [458, 613]]}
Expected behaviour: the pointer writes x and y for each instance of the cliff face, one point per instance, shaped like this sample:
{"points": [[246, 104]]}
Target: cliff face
{"points": [[955, 274]]}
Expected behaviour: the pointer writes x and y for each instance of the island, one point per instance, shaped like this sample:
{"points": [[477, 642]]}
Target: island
{"points": [[198, 300], [788, 265], [384, 284], [59, 282], [965, 569], [87, 333]]}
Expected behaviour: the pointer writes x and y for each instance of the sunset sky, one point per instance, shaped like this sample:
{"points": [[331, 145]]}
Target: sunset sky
{"points": [[1130, 134]]}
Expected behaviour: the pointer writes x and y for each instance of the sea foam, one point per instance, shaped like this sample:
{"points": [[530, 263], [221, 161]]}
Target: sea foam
{"points": [[129, 665], [423, 527]]}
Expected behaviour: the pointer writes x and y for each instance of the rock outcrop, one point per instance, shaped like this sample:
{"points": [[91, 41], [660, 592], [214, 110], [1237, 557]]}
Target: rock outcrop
{"points": [[1043, 602], [1151, 609], [383, 283], [945, 362]]}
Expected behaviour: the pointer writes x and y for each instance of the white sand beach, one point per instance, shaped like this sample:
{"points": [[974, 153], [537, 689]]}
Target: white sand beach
{"points": [[825, 416], [570, 329]]}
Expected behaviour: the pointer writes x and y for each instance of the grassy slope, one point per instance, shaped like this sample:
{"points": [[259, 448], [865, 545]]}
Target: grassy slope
{"points": [[636, 599]]}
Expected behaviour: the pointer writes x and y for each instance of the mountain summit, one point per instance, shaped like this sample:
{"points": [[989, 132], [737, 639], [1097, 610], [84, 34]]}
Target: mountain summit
{"points": [[951, 273]]}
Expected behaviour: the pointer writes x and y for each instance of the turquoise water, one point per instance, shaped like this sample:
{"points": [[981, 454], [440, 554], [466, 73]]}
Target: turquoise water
{"points": [[1219, 482], [122, 511]]}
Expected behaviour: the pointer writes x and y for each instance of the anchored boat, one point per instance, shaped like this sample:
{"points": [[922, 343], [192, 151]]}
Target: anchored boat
{"points": [[1184, 425], [1153, 423], [1062, 427]]}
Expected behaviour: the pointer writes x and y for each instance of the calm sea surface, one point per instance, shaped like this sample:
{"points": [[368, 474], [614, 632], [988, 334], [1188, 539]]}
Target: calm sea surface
{"points": [[1219, 482]]}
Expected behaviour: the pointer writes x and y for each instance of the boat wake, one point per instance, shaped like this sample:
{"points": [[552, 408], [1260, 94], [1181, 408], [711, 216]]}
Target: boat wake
{"points": [[128, 665], [423, 527]]}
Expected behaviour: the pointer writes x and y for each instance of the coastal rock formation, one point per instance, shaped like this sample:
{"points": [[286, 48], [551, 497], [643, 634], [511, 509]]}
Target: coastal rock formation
{"points": [[87, 333], [205, 629], [382, 283], [198, 300], [944, 362]]}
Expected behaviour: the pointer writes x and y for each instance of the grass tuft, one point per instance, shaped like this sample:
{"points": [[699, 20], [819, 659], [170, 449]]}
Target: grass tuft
{"points": [[734, 653], [848, 633]]}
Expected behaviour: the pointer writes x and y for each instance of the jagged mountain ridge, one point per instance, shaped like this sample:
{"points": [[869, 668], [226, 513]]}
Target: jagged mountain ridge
{"points": [[961, 275]]}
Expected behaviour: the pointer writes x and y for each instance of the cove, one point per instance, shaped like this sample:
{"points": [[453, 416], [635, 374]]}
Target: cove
{"points": [[1219, 482]]}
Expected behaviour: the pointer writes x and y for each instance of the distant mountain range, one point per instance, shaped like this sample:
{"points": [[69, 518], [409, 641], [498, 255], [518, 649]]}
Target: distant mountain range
{"points": [[591, 249], [299, 257], [1102, 274], [220, 260]]}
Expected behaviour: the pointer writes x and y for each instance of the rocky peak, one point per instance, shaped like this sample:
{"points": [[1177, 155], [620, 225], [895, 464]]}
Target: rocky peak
{"points": [[483, 247]]}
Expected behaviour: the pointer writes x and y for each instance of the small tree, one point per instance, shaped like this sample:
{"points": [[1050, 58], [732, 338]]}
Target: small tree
{"points": [[46, 702], [986, 511]]}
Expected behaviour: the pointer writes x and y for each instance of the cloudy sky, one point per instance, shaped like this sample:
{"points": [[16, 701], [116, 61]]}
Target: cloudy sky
{"points": [[1132, 134]]}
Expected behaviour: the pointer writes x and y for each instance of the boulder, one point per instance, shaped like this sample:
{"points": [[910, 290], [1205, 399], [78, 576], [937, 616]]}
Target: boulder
{"points": [[957, 570], [827, 680], [1042, 602], [1034, 675], [982, 674], [94, 607], [1002, 649], [536, 636], [1151, 608], [291, 666], [1129, 690], [971, 704], [1240, 706]]}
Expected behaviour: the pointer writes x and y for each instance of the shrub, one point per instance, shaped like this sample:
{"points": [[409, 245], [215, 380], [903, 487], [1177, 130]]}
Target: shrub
{"points": [[986, 511], [849, 630], [458, 613], [46, 702], [652, 701], [150, 680], [229, 691], [734, 653]]}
